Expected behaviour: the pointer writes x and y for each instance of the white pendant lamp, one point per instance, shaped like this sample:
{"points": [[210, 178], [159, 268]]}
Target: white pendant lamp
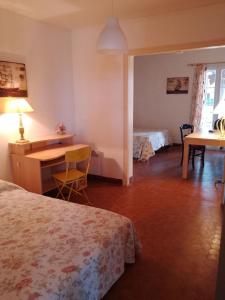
{"points": [[112, 40]]}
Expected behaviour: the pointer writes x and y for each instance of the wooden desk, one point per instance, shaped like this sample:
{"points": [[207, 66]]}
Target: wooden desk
{"points": [[34, 162], [207, 139]]}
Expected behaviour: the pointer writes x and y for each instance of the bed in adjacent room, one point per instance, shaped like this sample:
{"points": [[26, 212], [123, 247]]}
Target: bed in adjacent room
{"points": [[146, 142], [53, 249]]}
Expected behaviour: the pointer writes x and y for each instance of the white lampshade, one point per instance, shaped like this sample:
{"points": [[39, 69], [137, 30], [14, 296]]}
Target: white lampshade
{"points": [[112, 40], [17, 105]]}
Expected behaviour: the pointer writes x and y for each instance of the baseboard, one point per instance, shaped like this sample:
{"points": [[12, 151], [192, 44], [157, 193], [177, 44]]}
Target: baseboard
{"points": [[105, 179]]}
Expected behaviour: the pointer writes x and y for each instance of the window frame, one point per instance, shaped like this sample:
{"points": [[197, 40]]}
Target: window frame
{"points": [[218, 68]]}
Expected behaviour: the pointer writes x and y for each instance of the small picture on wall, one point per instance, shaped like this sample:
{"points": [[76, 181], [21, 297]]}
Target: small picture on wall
{"points": [[177, 85], [13, 81]]}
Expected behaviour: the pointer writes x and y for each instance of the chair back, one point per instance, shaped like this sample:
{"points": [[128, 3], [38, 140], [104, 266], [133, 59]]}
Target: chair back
{"points": [[217, 124], [81, 155], [185, 129], [77, 155]]}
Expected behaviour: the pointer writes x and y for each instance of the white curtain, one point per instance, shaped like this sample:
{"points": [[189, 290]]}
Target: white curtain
{"points": [[198, 91]]}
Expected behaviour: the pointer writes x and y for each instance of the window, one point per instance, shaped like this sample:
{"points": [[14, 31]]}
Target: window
{"points": [[214, 98]]}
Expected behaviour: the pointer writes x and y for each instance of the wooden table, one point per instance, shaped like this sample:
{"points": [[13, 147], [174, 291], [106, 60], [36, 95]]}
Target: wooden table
{"points": [[196, 138], [33, 162]]}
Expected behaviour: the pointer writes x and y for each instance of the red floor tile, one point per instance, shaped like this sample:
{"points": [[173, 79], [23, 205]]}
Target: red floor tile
{"points": [[178, 222]]}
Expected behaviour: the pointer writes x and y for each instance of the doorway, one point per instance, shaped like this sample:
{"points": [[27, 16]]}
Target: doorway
{"points": [[129, 61]]}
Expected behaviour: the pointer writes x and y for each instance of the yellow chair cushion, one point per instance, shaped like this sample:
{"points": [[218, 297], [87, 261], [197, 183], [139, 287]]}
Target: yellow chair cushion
{"points": [[73, 174]]}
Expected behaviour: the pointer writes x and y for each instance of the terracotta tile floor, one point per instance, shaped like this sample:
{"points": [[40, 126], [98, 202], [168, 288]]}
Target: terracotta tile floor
{"points": [[178, 222]]}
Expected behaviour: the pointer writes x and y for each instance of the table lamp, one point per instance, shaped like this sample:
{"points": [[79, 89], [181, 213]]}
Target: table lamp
{"points": [[18, 106], [220, 124]]}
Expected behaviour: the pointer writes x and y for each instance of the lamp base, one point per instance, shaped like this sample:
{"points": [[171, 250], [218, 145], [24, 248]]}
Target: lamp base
{"points": [[22, 141]]}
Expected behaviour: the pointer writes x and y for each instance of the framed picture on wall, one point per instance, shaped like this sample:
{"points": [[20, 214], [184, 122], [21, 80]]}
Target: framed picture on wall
{"points": [[177, 85], [13, 81]]}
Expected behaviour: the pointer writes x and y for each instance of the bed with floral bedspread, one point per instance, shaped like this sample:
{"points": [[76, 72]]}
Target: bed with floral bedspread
{"points": [[56, 250], [146, 142]]}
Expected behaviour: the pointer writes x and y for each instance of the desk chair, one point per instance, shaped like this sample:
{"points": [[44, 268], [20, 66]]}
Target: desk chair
{"points": [[194, 150], [74, 179]]}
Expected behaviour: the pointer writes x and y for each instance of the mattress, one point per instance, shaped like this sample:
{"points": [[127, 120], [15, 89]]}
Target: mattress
{"points": [[146, 142], [52, 249]]}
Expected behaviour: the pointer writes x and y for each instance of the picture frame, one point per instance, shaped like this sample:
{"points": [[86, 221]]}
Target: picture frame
{"points": [[13, 80], [177, 85]]}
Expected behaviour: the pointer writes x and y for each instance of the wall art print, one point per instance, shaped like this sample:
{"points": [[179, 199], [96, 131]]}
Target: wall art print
{"points": [[13, 81], [177, 85]]}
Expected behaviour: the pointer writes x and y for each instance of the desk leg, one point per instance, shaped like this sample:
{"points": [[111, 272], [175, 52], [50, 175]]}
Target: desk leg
{"points": [[185, 161]]}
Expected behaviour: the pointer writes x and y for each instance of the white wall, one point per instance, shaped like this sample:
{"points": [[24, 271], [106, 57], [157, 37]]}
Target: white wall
{"points": [[153, 108], [46, 52], [98, 89]]}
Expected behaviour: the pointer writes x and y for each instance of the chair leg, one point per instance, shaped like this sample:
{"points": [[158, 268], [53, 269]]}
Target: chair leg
{"points": [[86, 197], [73, 188], [182, 156], [70, 191], [61, 193], [193, 159], [60, 188], [203, 158]]}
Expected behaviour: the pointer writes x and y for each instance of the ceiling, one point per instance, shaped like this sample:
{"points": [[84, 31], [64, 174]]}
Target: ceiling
{"points": [[76, 13]]}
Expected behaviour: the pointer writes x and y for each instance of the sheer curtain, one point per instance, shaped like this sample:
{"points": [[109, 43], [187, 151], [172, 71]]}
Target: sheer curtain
{"points": [[198, 91]]}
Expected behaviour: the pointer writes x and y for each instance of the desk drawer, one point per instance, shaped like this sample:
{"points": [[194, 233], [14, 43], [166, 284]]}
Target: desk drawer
{"points": [[52, 163]]}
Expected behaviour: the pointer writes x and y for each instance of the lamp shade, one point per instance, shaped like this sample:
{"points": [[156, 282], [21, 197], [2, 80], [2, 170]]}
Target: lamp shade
{"points": [[15, 106], [112, 39]]}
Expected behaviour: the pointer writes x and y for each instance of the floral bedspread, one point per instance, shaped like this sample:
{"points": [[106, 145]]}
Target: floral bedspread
{"points": [[52, 249], [142, 148]]}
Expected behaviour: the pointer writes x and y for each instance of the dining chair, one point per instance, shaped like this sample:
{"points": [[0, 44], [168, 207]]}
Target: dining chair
{"points": [[194, 150], [74, 178]]}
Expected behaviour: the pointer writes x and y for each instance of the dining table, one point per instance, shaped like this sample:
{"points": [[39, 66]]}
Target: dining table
{"points": [[213, 138]]}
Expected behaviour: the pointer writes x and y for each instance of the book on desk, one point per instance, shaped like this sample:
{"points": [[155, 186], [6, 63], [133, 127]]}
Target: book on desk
{"points": [[34, 162]]}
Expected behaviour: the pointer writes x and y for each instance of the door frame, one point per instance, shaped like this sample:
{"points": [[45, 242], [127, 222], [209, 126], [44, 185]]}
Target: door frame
{"points": [[128, 88]]}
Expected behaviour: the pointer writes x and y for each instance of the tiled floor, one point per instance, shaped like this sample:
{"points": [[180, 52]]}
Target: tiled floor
{"points": [[178, 222]]}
